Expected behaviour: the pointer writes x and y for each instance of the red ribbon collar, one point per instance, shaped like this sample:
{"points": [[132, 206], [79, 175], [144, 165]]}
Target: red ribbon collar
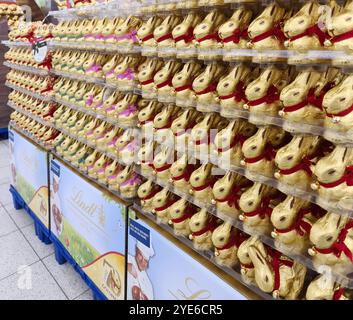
{"points": [[268, 154], [339, 246], [238, 139], [151, 195], [232, 198], [165, 37], [312, 31], [186, 174], [342, 113], [164, 168], [237, 35], [301, 226], [209, 183], [164, 83], [231, 243], [276, 31], [211, 36], [346, 178], [148, 37], [311, 99], [341, 37], [211, 225], [212, 87], [187, 37], [190, 211], [185, 216], [146, 82], [238, 94], [262, 211], [166, 206], [271, 96], [182, 88], [303, 165]]}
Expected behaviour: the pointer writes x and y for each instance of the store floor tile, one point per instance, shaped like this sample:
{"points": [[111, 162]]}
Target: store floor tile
{"points": [[67, 278], [5, 195], [15, 252], [20, 248], [85, 296], [43, 250], [20, 217], [32, 283], [5, 175], [6, 223]]}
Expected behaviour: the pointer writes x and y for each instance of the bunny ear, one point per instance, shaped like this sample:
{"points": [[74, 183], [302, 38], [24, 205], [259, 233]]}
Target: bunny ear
{"points": [[234, 124], [269, 76], [344, 154], [311, 8], [301, 140], [291, 204], [263, 135], [273, 10]]}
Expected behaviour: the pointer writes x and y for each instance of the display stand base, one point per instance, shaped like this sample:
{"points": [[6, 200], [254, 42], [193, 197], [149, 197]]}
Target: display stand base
{"points": [[62, 256], [4, 133], [41, 231]]}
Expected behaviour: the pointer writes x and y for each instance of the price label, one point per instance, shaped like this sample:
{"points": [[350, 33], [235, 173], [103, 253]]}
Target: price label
{"points": [[40, 50]]}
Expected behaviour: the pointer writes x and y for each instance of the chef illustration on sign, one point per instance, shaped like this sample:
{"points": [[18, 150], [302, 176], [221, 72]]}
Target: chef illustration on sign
{"points": [[139, 284]]}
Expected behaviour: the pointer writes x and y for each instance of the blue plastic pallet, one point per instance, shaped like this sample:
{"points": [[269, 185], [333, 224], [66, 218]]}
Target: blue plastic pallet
{"points": [[41, 230], [4, 133], [62, 256]]}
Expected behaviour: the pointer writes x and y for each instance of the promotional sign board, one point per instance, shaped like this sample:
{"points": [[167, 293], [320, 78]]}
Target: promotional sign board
{"points": [[29, 174], [90, 223], [158, 269]]}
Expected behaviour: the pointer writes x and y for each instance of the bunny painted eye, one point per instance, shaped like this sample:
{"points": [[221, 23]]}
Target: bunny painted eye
{"points": [[221, 190], [159, 200], [197, 223], [250, 203], [331, 172], [348, 19], [231, 24], [290, 157], [180, 169], [221, 239], [262, 22], [177, 211], [253, 148], [329, 238], [342, 99], [301, 21], [204, 27], [197, 179], [266, 278], [283, 218], [201, 80]]}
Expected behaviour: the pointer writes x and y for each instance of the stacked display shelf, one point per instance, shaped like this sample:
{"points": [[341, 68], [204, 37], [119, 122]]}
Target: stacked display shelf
{"points": [[105, 10]]}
